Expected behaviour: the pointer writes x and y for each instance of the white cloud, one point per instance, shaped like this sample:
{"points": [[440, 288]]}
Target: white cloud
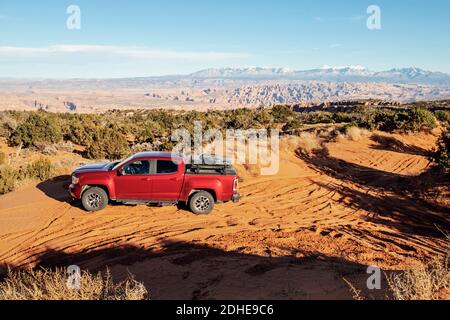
{"points": [[142, 53], [335, 45]]}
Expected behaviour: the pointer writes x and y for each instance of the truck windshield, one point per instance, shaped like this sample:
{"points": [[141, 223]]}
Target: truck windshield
{"points": [[117, 165]]}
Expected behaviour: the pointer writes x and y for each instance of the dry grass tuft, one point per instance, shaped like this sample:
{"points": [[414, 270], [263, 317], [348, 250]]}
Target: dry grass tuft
{"points": [[423, 282], [356, 134], [310, 144], [356, 294], [43, 284]]}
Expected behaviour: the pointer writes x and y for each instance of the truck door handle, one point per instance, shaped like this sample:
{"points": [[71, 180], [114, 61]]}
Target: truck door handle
{"points": [[146, 179]]}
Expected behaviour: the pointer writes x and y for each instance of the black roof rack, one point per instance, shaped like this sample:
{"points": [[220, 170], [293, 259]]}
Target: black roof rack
{"points": [[206, 164]]}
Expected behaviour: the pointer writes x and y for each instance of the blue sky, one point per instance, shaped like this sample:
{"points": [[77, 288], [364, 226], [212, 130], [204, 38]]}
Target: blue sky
{"points": [[121, 38]]}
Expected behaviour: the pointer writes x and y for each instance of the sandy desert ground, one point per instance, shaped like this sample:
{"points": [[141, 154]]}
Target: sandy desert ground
{"points": [[295, 235]]}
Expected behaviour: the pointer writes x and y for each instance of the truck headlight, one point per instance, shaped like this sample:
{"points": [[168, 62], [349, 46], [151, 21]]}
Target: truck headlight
{"points": [[75, 179]]}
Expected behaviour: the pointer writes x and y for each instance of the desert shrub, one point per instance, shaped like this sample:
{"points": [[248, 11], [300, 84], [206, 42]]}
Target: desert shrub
{"points": [[443, 116], [80, 133], [420, 119], [317, 117], [7, 125], [107, 143], [415, 120], [262, 119], [144, 134], [364, 117], [240, 119], [8, 178], [342, 117], [442, 154], [423, 282], [2, 158], [388, 120], [37, 128], [166, 145], [40, 169], [282, 113], [44, 284], [293, 126]]}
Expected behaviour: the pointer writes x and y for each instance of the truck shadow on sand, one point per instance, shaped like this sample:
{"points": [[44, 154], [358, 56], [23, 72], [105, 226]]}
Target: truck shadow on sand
{"points": [[58, 189], [182, 270]]}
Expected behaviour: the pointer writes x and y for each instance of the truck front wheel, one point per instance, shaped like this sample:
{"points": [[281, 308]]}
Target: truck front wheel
{"points": [[201, 202], [94, 199]]}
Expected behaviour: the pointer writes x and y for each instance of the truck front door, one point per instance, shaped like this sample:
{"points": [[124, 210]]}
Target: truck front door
{"points": [[134, 181]]}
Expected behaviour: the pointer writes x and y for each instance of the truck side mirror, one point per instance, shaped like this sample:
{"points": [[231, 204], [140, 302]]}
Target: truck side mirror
{"points": [[120, 172]]}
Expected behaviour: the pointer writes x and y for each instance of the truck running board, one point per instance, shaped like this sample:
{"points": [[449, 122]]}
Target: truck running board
{"points": [[148, 202]]}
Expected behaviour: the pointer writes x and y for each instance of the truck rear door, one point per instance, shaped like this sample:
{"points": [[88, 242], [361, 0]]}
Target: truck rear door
{"points": [[167, 180]]}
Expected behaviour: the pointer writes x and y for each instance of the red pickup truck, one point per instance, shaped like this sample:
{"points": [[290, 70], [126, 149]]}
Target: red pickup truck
{"points": [[155, 178]]}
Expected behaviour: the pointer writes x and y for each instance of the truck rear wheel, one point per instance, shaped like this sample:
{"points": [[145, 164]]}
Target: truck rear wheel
{"points": [[94, 199], [201, 202]]}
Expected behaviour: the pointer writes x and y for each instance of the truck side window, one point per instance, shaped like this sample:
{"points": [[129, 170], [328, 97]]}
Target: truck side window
{"points": [[137, 168], [166, 167]]}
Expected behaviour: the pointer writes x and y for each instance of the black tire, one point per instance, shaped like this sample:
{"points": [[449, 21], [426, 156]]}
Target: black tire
{"points": [[201, 202], [94, 199]]}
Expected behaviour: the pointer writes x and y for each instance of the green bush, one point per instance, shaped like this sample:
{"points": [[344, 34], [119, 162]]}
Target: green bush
{"points": [[389, 120], [342, 117], [443, 116], [7, 125], [364, 117], [145, 133], [241, 119], [109, 135], [8, 178], [317, 117], [420, 119], [442, 154], [109, 144], [36, 129], [40, 169], [293, 126], [80, 133], [282, 113], [2, 157], [262, 119]]}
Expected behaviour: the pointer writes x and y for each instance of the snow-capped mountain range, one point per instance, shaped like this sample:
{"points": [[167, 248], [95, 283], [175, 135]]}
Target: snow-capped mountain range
{"points": [[328, 73]]}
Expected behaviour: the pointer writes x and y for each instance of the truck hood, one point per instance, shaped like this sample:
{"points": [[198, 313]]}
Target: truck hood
{"points": [[94, 167]]}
